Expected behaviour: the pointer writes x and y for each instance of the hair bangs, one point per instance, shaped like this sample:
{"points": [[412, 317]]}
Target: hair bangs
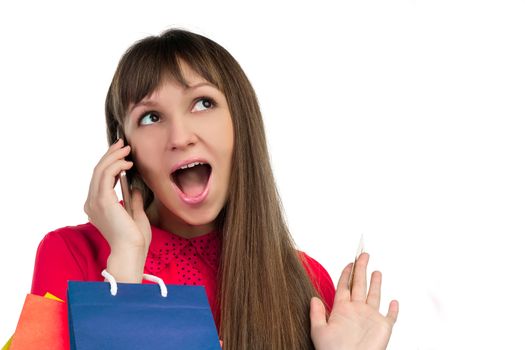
{"points": [[150, 61]]}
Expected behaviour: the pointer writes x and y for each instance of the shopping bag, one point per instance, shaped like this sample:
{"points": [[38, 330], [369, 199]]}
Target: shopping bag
{"points": [[42, 324], [138, 316]]}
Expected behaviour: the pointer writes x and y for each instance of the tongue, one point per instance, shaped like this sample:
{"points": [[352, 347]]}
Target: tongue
{"points": [[192, 181]]}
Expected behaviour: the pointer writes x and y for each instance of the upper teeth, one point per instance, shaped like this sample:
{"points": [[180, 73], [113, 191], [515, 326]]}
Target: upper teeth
{"points": [[191, 165]]}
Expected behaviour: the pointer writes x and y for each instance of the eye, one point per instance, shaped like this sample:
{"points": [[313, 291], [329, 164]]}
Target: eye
{"points": [[148, 118], [203, 103]]}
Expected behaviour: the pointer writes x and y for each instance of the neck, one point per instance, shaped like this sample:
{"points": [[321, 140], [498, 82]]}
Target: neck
{"points": [[162, 218]]}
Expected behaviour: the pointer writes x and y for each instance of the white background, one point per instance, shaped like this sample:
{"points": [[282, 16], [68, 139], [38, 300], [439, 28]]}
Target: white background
{"points": [[399, 120]]}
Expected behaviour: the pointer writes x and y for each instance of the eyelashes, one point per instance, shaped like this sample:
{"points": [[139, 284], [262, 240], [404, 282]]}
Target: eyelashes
{"points": [[145, 116], [205, 103], [200, 104]]}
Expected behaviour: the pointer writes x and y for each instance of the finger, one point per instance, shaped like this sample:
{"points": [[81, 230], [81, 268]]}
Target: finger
{"points": [[358, 292], [115, 147], [112, 155], [118, 143], [374, 292], [107, 177], [317, 314], [106, 160], [342, 292], [393, 311]]}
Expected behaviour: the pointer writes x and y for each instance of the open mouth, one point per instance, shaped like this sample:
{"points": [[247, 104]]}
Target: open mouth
{"points": [[192, 179]]}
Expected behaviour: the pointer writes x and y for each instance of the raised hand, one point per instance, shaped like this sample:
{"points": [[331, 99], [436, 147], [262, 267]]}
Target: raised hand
{"points": [[355, 322], [128, 236]]}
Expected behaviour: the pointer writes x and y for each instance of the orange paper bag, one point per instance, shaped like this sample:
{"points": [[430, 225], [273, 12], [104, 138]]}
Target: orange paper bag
{"points": [[42, 325]]}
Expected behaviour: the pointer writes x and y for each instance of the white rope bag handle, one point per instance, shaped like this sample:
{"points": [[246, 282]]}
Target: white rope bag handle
{"points": [[113, 283]]}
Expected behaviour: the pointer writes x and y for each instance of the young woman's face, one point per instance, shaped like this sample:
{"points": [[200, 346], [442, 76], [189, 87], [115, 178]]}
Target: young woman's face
{"points": [[182, 143]]}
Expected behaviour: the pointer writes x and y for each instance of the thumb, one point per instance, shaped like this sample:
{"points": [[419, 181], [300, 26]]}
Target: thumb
{"points": [[137, 203], [139, 216], [317, 314], [137, 206]]}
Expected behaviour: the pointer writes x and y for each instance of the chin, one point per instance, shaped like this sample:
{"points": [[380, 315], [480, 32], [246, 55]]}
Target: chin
{"points": [[200, 218]]}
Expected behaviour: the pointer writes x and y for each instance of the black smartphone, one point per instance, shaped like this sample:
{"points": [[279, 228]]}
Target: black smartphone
{"points": [[124, 184]]}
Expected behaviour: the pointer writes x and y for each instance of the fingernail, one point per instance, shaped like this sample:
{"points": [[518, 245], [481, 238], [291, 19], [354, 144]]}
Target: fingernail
{"points": [[117, 140]]}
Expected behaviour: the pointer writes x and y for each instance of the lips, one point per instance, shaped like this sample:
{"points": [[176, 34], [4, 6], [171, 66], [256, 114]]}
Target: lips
{"points": [[191, 178]]}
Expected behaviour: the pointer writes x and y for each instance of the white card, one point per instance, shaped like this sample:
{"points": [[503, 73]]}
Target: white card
{"points": [[360, 249]]}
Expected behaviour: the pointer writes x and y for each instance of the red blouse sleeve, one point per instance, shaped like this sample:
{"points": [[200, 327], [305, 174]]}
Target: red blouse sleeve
{"points": [[71, 253], [55, 264], [320, 279]]}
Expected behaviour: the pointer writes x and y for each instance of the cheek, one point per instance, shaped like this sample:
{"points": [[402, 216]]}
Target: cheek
{"points": [[225, 144], [219, 135], [227, 138], [145, 162]]}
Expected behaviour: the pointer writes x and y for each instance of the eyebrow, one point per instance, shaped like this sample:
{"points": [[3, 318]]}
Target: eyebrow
{"points": [[186, 88]]}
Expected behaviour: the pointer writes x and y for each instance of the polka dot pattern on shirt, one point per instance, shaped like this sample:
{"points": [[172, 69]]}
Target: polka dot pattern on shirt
{"points": [[184, 256]]}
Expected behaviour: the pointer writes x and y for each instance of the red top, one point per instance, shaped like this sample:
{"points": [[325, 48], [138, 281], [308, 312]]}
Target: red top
{"points": [[80, 253]]}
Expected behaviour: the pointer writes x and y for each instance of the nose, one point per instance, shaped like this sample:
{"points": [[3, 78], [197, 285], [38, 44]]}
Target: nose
{"points": [[181, 134]]}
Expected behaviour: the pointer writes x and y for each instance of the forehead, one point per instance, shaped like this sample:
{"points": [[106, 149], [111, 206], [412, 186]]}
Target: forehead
{"points": [[188, 80]]}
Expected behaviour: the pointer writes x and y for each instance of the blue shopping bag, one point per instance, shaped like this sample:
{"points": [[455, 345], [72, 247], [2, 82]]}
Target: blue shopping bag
{"points": [[138, 316]]}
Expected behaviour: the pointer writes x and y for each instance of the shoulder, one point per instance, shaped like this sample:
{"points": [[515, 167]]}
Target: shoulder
{"points": [[69, 253], [81, 239], [84, 232], [320, 278]]}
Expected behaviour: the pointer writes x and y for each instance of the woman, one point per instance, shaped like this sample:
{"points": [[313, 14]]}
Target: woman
{"points": [[205, 209]]}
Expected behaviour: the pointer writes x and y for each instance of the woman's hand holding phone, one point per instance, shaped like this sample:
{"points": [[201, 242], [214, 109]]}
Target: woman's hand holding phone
{"points": [[128, 236]]}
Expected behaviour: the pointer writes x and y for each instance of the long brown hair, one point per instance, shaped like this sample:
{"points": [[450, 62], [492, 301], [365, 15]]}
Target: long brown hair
{"points": [[264, 290]]}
